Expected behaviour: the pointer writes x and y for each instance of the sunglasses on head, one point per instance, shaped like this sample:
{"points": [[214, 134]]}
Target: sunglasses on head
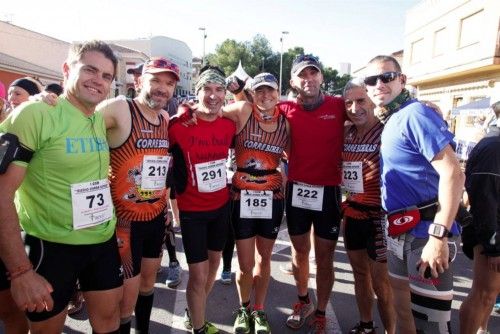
{"points": [[308, 57], [160, 63], [264, 78], [384, 77]]}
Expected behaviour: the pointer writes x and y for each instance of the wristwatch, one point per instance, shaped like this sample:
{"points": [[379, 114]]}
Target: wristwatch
{"points": [[439, 231]]}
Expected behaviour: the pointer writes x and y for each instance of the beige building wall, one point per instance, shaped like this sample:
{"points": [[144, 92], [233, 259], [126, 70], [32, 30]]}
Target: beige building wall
{"points": [[33, 47], [452, 51]]}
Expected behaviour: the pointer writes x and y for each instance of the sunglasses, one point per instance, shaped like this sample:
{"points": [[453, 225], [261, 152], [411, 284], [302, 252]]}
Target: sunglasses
{"points": [[308, 57], [160, 63], [384, 77]]}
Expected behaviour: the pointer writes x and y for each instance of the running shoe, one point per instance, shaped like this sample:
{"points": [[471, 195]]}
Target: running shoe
{"points": [[299, 315], [242, 321], [261, 325], [210, 328], [317, 325], [174, 275], [286, 268], [496, 307], [360, 329], [225, 277]]}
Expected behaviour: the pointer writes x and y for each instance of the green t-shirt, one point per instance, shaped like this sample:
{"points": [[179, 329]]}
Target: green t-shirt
{"points": [[69, 148]]}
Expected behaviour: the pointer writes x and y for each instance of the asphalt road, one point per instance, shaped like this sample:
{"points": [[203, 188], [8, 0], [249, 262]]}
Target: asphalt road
{"points": [[342, 313]]}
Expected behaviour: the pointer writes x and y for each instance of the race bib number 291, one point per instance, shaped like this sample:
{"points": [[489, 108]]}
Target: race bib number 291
{"points": [[211, 176]]}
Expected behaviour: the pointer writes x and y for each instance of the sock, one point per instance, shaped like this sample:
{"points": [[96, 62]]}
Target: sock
{"points": [[258, 307], [125, 325], [367, 325], [170, 243], [227, 252], [305, 299], [245, 304], [112, 332], [319, 313], [199, 330], [143, 309]]}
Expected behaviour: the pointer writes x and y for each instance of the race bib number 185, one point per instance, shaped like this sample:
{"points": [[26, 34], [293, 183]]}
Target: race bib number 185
{"points": [[256, 204]]}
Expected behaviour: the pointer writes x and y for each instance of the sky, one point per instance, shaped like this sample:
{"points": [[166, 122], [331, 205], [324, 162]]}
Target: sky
{"points": [[336, 31]]}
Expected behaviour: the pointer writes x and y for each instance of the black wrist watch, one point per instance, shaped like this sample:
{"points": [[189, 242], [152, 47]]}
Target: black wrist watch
{"points": [[439, 231]]}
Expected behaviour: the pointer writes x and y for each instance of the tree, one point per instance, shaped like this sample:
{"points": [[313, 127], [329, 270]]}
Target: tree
{"points": [[333, 84], [257, 56], [228, 54]]}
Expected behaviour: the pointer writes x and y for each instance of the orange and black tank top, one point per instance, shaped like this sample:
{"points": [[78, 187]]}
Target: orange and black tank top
{"points": [[258, 154], [139, 168]]}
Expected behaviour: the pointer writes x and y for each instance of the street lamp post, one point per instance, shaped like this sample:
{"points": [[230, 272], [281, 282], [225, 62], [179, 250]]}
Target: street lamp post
{"points": [[283, 33], [204, 38]]}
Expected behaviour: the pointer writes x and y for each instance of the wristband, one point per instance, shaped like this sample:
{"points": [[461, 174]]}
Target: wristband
{"points": [[19, 271]]}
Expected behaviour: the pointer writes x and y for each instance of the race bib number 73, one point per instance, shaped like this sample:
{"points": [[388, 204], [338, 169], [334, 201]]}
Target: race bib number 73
{"points": [[91, 203]]}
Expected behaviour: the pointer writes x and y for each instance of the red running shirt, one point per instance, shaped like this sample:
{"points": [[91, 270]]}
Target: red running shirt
{"points": [[316, 142], [197, 144]]}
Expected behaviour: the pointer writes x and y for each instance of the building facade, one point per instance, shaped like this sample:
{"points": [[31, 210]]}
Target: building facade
{"points": [[24, 52], [452, 51], [167, 47]]}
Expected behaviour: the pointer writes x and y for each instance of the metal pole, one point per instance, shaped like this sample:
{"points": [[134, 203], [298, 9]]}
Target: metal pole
{"points": [[204, 38], [281, 59]]}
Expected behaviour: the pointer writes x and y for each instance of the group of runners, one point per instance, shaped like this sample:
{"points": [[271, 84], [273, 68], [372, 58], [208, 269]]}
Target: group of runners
{"points": [[107, 232]]}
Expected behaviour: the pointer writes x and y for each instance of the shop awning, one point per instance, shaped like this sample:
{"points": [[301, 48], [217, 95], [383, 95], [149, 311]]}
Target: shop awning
{"points": [[473, 109]]}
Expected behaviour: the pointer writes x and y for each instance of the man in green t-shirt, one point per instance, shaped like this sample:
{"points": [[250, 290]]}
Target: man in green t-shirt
{"points": [[63, 202]]}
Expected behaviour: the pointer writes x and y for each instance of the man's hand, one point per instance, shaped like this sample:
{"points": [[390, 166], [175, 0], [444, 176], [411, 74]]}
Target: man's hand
{"points": [[31, 292], [234, 84], [494, 263], [48, 98], [435, 256]]}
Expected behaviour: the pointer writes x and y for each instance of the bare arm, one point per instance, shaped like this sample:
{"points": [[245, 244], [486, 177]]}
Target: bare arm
{"points": [[117, 120], [238, 112], [451, 184], [435, 254], [110, 111], [29, 290]]}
